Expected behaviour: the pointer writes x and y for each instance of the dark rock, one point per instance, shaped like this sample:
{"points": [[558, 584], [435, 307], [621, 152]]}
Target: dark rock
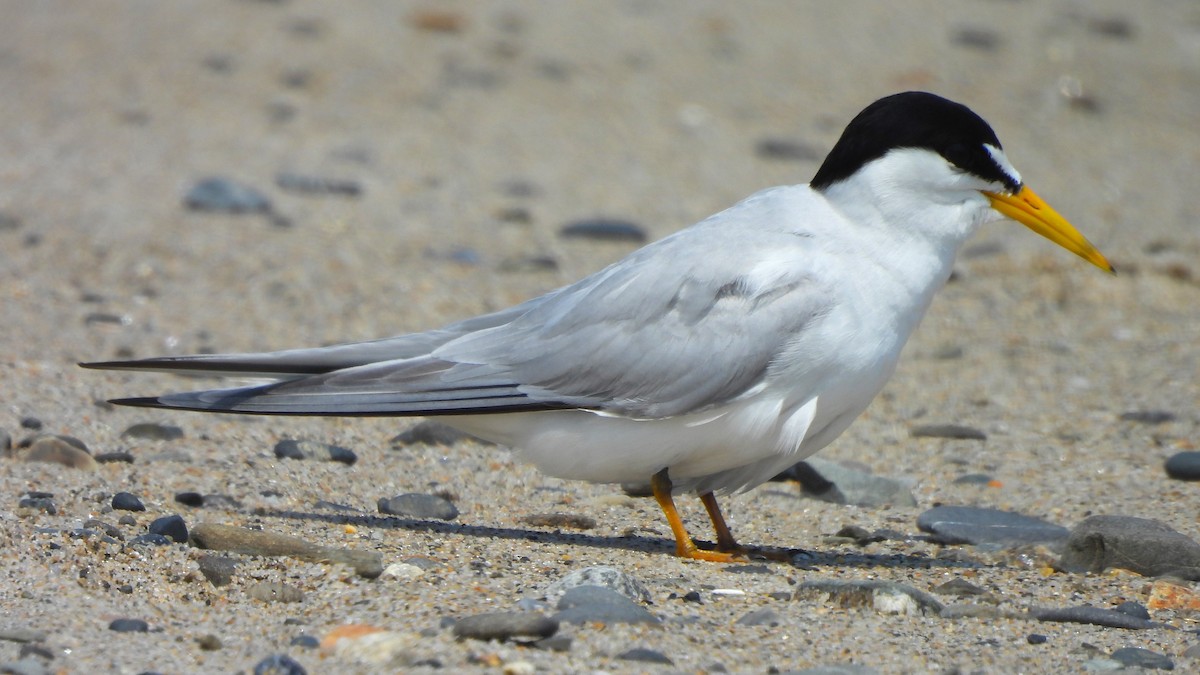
{"points": [[1183, 465], [1036, 639], [307, 641], [505, 626], [432, 433], [787, 150], [129, 626], [585, 604], [193, 499], [414, 505], [973, 479], [972, 525], [692, 596], [599, 575], [885, 597], [555, 643], [150, 539], [604, 229], [110, 530], [746, 569], [841, 484], [119, 457], [760, 617], [645, 655], [1096, 616], [1135, 609], [31, 423], [570, 521], [153, 432], [39, 501], [226, 196], [954, 431], [983, 39], [127, 501], [301, 449], [1148, 416], [1136, 657], [279, 664], [1147, 547], [218, 569], [268, 591], [171, 527], [317, 185]]}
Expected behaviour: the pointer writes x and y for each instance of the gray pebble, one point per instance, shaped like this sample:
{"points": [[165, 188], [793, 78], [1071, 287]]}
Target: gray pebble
{"points": [[153, 432], [193, 499], [973, 525], [150, 539], [1135, 609], [954, 431], [885, 597], [129, 626], [645, 655], [585, 604], [1097, 616], [127, 501], [1136, 657], [432, 433], [118, 457], [279, 664], [267, 591], [760, 617], [959, 588], [171, 527], [39, 501], [1147, 547], [28, 665], [317, 185], [973, 479], [218, 569], [1148, 416], [505, 626], [227, 196], [982, 39], [31, 423], [604, 229], [19, 634], [1183, 465], [324, 452], [841, 484], [110, 530], [414, 505], [599, 575], [307, 641]]}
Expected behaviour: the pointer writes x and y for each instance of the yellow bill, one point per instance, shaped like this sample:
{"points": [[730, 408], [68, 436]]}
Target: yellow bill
{"points": [[1027, 208]]}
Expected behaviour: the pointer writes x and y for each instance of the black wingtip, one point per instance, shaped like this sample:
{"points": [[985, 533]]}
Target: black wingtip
{"points": [[139, 402]]}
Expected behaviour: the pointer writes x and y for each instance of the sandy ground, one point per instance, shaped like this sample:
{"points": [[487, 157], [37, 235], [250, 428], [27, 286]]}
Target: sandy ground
{"points": [[452, 115]]}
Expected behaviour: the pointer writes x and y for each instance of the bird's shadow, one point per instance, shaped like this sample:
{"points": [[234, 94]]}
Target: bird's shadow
{"points": [[793, 558]]}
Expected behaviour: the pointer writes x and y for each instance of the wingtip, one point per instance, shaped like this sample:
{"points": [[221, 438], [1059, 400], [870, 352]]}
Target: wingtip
{"points": [[139, 402]]}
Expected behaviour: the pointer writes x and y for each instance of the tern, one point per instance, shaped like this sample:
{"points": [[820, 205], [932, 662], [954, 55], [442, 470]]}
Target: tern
{"points": [[707, 361]]}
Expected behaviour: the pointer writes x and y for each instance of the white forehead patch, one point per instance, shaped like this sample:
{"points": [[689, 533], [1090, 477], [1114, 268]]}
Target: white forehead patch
{"points": [[1002, 161]]}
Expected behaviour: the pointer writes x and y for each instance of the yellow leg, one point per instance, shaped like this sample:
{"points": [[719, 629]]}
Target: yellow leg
{"points": [[725, 540], [660, 484]]}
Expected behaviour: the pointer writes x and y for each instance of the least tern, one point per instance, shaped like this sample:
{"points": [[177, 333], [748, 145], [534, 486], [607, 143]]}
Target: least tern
{"points": [[707, 361]]}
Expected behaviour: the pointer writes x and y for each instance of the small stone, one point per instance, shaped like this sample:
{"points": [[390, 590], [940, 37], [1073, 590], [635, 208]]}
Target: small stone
{"points": [[959, 588], [153, 432], [1134, 609], [1036, 639], [786, 150], [1136, 657], [368, 564], [193, 499], [953, 431], [983, 39], [760, 617], [127, 501], [129, 626], [972, 525], [432, 433], [323, 452], [585, 604], [38, 501], [279, 664], [1192, 652], [885, 597], [1087, 614], [1147, 547], [505, 626], [841, 484], [31, 423], [368, 645], [414, 505], [604, 229], [209, 642], [403, 571], [1183, 465], [570, 521], [59, 450], [218, 569], [1148, 416], [274, 592], [974, 479], [20, 634], [226, 196], [645, 655], [150, 539], [118, 457], [306, 641], [317, 185], [599, 575], [171, 527]]}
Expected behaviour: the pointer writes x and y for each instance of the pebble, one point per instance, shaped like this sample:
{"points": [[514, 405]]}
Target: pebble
{"points": [[974, 525], [171, 527], [761, 617], [645, 655], [306, 641], [432, 433], [604, 229], [38, 501], [194, 499], [403, 571], [150, 539], [368, 564], [28, 665], [1147, 547], [959, 588], [129, 626], [267, 591], [1136, 657], [1097, 616], [570, 521], [1036, 639], [127, 501], [1148, 416], [841, 484], [505, 626], [60, 450], [381, 649], [1135, 609], [279, 664], [118, 457], [585, 604], [982, 39], [153, 432], [20, 634], [885, 597], [1183, 465], [218, 569], [317, 185], [416, 505], [324, 452], [954, 431], [787, 150], [1168, 594], [226, 196], [603, 576], [31, 423], [209, 642]]}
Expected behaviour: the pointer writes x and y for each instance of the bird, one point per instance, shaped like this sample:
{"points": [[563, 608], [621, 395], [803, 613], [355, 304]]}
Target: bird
{"points": [[705, 362]]}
